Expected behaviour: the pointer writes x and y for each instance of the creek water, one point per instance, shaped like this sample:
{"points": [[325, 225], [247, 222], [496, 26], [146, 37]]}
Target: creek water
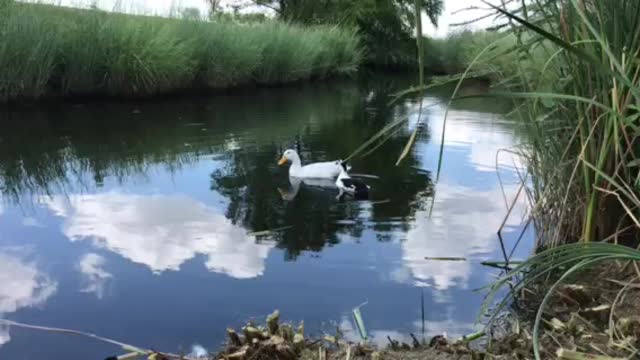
{"points": [[137, 220]]}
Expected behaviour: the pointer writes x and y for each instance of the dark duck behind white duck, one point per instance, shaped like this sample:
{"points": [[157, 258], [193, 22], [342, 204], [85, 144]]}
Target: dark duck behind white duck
{"points": [[347, 185]]}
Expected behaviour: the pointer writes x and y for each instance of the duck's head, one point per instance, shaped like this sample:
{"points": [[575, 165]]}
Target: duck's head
{"points": [[287, 156]]}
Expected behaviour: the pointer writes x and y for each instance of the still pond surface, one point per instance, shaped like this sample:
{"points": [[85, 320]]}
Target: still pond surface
{"points": [[136, 221]]}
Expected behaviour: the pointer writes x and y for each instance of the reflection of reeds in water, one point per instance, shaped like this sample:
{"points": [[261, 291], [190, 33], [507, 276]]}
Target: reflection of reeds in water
{"points": [[65, 165], [60, 149]]}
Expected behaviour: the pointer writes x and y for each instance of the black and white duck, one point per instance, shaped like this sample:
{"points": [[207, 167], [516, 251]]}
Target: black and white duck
{"points": [[347, 185]]}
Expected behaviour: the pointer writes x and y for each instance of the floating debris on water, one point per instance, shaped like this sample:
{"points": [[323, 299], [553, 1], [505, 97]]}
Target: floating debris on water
{"points": [[270, 231], [357, 315], [446, 258], [366, 176]]}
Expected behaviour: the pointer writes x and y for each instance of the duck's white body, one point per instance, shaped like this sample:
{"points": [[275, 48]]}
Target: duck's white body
{"points": [[319, 170]]}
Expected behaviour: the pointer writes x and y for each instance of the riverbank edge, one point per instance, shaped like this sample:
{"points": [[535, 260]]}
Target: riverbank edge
{"points": [[577, 325], [176, 94]]}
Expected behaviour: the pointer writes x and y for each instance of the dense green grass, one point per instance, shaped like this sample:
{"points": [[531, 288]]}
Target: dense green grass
{"points": [[60, 51]]}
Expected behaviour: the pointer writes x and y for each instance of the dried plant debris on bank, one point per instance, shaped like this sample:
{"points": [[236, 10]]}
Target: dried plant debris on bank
{"points": [[284, 341], [594, 315]]}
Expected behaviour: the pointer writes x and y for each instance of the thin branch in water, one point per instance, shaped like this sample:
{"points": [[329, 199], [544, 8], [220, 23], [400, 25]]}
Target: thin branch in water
{"points": [[124, 346]]}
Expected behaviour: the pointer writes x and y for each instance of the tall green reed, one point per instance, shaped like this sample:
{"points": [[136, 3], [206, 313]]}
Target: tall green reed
{"points": [[26, 70]]}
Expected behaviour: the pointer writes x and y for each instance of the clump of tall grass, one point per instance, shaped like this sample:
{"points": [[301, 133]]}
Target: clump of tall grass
{"points": [[61, 51], [25, 70], [580, 113], [576, 81], [228, 56], [583, 126]]}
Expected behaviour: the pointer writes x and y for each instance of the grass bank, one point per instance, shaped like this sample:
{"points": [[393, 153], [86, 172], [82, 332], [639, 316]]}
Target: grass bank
{"points": [[56, 51]]}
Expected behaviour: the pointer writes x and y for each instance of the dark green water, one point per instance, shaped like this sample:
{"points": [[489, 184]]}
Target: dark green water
{"points": [[134, 220]]}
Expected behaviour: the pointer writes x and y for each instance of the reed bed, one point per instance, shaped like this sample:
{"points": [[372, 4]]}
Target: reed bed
{"points": [[573, 74], [56, 51], [580, 117], [580, 114]]}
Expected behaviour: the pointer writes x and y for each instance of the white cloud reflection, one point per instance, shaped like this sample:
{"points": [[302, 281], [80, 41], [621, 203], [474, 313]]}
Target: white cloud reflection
{"points": [[482, 134], [463, 224], [161, 231], [21, 286], [465, 218], [95, 277]]}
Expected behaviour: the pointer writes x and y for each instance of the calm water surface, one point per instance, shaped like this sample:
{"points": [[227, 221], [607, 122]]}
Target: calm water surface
{"points": [[135, 220]]}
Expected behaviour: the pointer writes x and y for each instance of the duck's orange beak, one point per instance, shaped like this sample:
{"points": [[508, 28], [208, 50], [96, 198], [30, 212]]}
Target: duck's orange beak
{"points": [[282, 161]]}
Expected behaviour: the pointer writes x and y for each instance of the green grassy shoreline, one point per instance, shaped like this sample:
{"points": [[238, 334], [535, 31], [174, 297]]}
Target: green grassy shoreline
{"points": [[51, 51]]}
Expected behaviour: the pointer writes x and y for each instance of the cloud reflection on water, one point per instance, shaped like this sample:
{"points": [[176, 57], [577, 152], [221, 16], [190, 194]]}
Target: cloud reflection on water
{"points": [[22, 285], [91, 266], [463, 224], [468, 209], [161, 231]]}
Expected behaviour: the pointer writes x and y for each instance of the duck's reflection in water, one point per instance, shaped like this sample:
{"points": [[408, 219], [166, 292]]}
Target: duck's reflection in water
{"points": [[289, 193]]}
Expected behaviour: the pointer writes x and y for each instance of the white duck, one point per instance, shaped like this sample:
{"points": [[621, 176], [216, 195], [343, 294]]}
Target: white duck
{"points": [[319, 170]]}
